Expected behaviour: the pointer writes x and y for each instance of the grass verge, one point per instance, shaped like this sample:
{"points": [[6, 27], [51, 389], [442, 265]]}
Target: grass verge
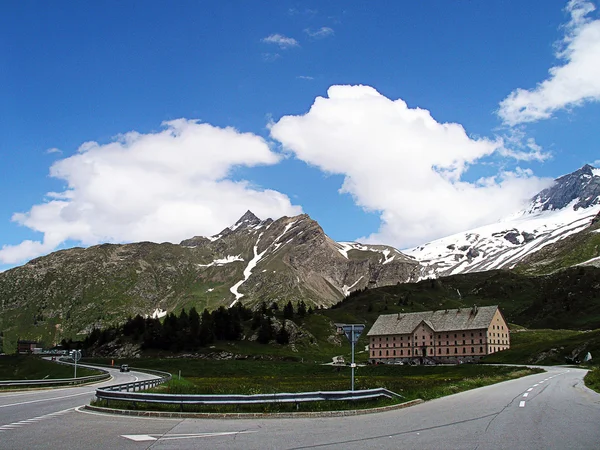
{"points": [[258, 377], [30, 367], [592, 379]]}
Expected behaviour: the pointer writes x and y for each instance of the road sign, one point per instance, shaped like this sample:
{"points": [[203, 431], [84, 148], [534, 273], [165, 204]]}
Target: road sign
{"points": [[76, 355], [353, 332]]}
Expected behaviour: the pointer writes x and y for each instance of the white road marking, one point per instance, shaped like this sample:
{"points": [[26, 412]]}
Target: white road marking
{"points": [[15, 425], [525, 394], [535, 385], [46, 399], [522, 405], [541, 382], [138, 437], [173, 437], [530, 389]]}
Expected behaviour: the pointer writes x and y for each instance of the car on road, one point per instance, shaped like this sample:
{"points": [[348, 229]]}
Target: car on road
{"points": [[124, 368]]}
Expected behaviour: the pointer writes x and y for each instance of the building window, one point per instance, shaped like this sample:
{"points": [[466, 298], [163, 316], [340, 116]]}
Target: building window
{"points": [[472, 349], [454, 334], [431, 351], [447, 351], [387, 353], [471, 334], [387, 338], [481, 341], [446, 336], [463, 334], [455, 350], [455, 342], [379, 352], [472, 340], [439, 351], [394, 352], [401, 352], [464, 341], [464, 350], [480, 349], [409, 351]]}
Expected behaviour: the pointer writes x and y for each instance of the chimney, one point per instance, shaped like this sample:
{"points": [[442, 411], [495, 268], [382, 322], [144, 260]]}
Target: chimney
{"points": [[474, 310]]}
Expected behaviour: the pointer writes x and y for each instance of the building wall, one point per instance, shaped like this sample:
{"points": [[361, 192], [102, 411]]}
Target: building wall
{"points": [[447, 346], [498, 335]]}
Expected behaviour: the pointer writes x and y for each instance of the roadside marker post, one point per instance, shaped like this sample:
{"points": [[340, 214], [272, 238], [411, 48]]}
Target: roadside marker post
{"points": [[353, 332], [76, 355]]}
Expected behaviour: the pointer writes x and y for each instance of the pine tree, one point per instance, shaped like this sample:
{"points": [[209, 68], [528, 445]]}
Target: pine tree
{"points": [[283, 337], [265, 332], [288, 311], [301, 308], [207, 329]]}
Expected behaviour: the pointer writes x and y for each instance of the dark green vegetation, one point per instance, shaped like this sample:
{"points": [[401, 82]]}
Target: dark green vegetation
{"points": [[254, 377], [592, 379], [548, 347], [29, 367], [569, 299]]}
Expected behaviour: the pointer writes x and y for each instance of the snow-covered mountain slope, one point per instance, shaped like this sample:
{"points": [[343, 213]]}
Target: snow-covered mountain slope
{"points": [[565, 208]]}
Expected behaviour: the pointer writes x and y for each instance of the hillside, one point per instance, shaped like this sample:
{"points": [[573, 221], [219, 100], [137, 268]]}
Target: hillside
{"points": [[70, 292], [569, 299]]}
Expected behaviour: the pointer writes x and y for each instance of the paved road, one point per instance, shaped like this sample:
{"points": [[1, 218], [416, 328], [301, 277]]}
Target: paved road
{"points": [[553, 410], [20, 410]]}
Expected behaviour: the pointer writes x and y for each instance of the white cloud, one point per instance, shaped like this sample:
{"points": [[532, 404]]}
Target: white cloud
{"points": [[571, 84], [270, 57], [163, 186], [401, 162], [305, 77], [322, 32], [53, 150], [282, 41]]}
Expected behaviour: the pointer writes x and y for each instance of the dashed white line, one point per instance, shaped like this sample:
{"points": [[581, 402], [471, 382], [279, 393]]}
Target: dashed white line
{"points": [[535, 385], [530, 389], [16, 425], [522, 405], [526, 394]]}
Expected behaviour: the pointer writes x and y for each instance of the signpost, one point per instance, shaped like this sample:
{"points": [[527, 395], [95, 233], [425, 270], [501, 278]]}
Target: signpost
{"points": [[76, 355], [353, 332]]}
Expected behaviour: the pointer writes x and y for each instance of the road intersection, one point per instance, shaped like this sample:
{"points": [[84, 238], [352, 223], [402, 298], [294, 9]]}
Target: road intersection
{"points": [[552, 410]]}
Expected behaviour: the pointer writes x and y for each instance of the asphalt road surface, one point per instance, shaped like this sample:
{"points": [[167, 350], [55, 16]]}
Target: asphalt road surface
{"points": [[552, 410]]}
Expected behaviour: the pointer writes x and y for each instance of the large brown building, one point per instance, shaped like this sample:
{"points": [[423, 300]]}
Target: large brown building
{"points": [[438, 337]]}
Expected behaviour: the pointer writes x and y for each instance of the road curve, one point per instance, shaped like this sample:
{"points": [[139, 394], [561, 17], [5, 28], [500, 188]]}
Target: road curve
{"points": [[552, 410]]}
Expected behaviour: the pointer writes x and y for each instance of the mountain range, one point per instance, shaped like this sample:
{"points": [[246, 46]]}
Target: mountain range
{"points": [[70, 292]]}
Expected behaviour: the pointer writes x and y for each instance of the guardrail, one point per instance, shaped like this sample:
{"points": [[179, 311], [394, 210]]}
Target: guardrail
{"points": [[110, 393]]}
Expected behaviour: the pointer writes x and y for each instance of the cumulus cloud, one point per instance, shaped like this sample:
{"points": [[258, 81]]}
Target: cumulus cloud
{"points": [[282, 41], [321, 33], [571, 84], [404, 164], [162, 186]]}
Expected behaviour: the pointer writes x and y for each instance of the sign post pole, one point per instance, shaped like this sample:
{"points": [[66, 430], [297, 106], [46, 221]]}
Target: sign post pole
{"points": [[352, 365], [352, 332]]}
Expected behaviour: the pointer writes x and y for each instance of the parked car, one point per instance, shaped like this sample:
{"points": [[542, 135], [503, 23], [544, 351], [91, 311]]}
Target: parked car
{"points": [[124, 368]]}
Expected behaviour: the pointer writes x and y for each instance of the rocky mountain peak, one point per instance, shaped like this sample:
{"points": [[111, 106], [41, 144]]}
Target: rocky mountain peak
{"points": [[247, 220], [582, 186]]}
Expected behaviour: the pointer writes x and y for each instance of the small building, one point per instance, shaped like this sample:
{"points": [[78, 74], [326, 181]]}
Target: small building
{"points": [[449, 336], [24, 346]]}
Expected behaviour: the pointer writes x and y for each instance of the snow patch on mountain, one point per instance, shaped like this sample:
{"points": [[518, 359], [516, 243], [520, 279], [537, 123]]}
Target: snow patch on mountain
{"points": [[222, 261]]}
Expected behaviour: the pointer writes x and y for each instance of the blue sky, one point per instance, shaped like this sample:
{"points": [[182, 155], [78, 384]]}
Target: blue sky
{"points": [[219, 93]]}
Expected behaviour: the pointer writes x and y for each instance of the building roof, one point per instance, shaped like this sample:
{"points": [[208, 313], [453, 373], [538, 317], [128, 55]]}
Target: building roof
{"points": [[442, 320]]}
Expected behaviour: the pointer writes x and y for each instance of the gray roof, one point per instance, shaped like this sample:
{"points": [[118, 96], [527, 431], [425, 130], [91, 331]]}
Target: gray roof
{"points": [[442, 320]]}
